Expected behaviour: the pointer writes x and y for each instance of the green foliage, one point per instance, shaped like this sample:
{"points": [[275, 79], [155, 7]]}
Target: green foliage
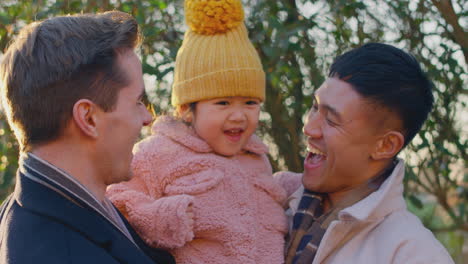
{"points": [[297, 40], [8, 159]]}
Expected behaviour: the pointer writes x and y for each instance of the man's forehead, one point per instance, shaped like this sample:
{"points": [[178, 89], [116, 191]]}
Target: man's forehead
{"points": [[342, 98], [337, 92]]}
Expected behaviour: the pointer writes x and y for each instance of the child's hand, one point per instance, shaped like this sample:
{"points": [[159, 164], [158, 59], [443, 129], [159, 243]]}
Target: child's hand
{"points": [[290, 181]]}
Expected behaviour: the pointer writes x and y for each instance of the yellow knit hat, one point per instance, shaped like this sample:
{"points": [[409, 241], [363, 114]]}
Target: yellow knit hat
{"points": [[216, 58]]}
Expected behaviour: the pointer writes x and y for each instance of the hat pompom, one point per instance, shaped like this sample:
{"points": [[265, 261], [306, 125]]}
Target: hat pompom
{"points": [[210, 17]]}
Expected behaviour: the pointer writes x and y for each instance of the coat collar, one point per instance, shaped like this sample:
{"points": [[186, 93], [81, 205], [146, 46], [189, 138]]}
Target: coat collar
{"points": [[388, 198], [186, 136], [44, 199]]}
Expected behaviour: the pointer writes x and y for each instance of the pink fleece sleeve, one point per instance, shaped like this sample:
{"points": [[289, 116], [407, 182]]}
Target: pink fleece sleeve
{"points": [[290, 181], [162, 222]]}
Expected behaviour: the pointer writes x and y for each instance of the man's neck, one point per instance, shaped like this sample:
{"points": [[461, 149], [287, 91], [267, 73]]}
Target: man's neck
{"points": [[332, 199], [75, 162]]}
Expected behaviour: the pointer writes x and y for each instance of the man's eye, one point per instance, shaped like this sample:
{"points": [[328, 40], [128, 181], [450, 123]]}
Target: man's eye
{"points": [[331, 123], [314, 107]]}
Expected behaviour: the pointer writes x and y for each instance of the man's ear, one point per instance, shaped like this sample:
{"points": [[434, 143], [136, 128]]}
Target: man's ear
{"points": [[85, 117], [388, 145]]}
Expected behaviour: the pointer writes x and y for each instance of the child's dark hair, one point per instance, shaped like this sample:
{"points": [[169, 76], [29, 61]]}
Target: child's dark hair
{"points": [[391, 78], [180, 111]]}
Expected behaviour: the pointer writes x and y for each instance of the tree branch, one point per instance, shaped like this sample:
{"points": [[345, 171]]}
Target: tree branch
{"points": [[445, 8]]}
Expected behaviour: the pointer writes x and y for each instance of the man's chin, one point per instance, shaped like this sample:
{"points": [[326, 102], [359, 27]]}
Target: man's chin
{"points": [[311, 186], [311, 179], [128, 177], [122, 178]]}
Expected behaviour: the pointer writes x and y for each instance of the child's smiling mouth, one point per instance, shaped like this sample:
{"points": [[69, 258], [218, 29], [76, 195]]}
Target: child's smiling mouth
{"points": [[234, 134]]}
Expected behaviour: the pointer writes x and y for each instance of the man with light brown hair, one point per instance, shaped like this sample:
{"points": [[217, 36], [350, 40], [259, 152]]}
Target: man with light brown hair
{"points": [[72, 90]]}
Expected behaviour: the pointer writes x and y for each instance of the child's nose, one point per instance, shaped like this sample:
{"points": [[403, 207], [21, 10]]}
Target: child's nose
{"points": [[237, 115]]}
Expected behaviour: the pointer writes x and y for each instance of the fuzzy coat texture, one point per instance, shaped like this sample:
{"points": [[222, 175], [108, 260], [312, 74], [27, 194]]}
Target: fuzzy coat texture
{"points": [[377, 229], [237, 205]]}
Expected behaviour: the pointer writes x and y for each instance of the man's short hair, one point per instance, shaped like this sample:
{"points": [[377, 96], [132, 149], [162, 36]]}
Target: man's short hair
{"points": [[56, 62], [391, 78]]}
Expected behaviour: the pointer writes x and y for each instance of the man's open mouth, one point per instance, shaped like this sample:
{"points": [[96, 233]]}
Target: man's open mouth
{"points": [[315, 156]]}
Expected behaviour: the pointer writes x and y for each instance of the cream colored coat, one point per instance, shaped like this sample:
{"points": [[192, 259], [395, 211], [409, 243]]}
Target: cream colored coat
{"points": [[377, 230]]}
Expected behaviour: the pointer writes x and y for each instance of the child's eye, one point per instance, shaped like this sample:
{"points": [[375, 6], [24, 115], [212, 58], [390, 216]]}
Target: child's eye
{"points": [[222, 103], [252, 102]]}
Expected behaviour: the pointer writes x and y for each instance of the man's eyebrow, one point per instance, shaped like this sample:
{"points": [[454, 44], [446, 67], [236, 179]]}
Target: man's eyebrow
{"points": [[330, 109]]}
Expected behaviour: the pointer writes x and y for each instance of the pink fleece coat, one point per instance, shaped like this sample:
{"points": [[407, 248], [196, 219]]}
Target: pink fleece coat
{"points": [[237, 205]]}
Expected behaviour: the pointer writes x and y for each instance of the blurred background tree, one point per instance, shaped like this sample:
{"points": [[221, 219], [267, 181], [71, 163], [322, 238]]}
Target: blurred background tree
{"points": [[297, 41]]}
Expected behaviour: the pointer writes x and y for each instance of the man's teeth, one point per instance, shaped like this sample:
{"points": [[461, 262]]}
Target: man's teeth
{"points": [[315, 151]]}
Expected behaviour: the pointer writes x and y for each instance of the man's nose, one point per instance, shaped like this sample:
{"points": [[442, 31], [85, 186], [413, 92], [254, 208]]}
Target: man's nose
{"points": [[147, 117], [312, 127]]}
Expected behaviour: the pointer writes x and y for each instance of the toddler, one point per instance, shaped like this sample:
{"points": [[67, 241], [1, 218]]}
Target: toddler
{"points": [[202, 184]]}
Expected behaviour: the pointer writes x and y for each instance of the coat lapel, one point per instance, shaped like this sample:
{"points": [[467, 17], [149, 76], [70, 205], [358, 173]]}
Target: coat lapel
{"points": [[77, 216]]}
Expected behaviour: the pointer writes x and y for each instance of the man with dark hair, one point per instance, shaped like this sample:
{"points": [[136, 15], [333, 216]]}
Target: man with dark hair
{"points": [[71, 88], [350, 207]]}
